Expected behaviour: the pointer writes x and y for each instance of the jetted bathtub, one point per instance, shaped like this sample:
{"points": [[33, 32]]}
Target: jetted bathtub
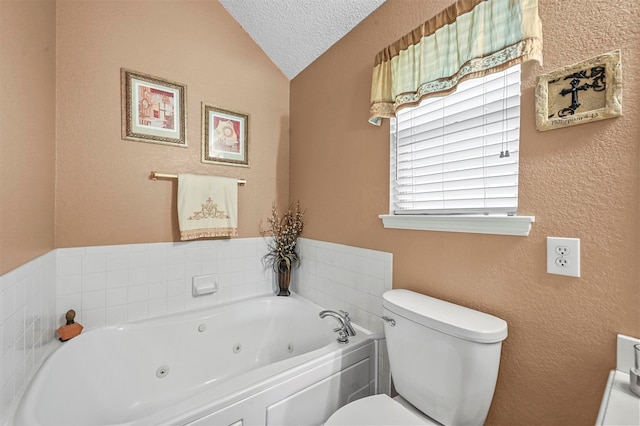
{"points": [[267, 360]]}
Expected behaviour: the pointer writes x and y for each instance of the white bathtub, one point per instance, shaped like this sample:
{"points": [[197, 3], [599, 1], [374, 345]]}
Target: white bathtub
{"points": [[268, 361]]}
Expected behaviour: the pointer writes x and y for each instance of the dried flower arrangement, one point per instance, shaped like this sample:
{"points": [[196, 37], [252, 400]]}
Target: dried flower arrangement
{"points": [[282, 249]]}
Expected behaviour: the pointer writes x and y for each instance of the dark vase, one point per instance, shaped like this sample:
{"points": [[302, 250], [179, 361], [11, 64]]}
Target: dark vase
{"points": [[284, 278]]}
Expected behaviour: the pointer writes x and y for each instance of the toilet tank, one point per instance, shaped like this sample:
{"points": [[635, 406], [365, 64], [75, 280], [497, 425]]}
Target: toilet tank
{"points": [[444, 357]]}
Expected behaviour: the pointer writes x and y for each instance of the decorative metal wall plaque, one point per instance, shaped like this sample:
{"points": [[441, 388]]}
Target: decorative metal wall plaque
{"points": [[580, 93]]}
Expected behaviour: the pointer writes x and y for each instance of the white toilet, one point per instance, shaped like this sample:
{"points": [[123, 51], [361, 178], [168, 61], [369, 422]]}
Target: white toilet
{"points": [[444, 362]]}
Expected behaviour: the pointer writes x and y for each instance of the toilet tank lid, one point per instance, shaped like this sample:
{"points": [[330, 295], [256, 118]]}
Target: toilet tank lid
{"points": [[445, 317]]}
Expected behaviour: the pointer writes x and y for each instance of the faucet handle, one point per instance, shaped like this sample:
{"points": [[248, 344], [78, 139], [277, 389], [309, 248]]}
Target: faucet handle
{"points": [[347, 323], [342, 337]]}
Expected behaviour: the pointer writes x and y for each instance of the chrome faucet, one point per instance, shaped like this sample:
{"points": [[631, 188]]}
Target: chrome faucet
{"points": [[345, 329]]}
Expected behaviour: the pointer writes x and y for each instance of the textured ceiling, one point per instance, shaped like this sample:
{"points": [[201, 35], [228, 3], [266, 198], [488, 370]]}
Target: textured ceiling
{"points": [[294, 33]]}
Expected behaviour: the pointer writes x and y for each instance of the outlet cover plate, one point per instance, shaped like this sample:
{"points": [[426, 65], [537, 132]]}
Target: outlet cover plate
{"points": [[570, 257]]}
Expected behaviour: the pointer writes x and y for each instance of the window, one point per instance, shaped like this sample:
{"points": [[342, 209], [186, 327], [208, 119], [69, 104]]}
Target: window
{"points": [[458, 154]]}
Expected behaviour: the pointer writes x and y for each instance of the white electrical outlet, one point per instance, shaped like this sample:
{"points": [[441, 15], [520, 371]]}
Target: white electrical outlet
{"points": [[563, 256]]}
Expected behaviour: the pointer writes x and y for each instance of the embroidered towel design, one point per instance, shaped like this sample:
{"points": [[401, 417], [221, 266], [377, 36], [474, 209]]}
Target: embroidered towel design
{"points": [[207, 206]]}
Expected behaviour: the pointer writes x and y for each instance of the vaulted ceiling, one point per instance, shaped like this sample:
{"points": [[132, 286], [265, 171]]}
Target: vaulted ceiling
{"points": [[294, 33]]}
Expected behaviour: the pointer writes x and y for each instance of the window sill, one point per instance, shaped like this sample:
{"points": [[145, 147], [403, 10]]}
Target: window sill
{"points": [[497, 225]]}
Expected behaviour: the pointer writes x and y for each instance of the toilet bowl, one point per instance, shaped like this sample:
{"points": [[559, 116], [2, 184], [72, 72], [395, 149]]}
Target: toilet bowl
{"points": [[379, 410], [444, 361]]}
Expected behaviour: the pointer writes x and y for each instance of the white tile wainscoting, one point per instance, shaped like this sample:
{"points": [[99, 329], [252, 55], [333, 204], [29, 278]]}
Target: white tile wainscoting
{"points": [[111, 284], [352, 279], [27, 325]]}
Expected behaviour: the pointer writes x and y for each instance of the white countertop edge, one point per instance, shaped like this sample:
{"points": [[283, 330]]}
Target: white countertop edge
{"points": [[619, 405]]}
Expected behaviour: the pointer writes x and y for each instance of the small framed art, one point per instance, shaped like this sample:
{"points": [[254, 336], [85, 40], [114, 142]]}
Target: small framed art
{"points": [[153, 109], [225, 136], [588, 91]]}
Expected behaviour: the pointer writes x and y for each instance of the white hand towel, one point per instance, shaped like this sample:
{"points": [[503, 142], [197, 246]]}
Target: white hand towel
{"points": [[207, 206]]}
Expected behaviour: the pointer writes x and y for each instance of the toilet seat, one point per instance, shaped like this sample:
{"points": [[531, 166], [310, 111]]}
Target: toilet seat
{"points": [[375, 410]]}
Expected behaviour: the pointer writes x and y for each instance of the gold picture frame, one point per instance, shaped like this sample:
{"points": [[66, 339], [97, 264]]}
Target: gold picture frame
{"points": [[153, 109], [588, 91], [225, 136]]}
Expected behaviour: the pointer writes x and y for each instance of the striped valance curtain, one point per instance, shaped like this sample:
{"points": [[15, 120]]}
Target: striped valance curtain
{"points": [[470, 38]]}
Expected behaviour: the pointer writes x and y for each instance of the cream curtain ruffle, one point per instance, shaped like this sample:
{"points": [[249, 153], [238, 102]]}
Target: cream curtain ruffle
{"points": [[470, 38]]}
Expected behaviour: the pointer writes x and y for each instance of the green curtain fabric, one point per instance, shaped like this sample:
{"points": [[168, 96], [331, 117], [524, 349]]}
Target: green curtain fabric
{"points": [[469, 39]]}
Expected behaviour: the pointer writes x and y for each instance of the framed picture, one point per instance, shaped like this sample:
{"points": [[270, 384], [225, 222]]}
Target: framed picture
{"points": [[225, 136], [153, 109], [580, 93]]}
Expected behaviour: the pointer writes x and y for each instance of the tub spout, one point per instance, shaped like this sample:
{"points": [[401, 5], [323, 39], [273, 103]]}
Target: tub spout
{"points": [[345, 329]]}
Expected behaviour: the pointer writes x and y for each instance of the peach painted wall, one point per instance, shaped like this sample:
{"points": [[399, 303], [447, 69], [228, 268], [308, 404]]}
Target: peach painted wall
{"points": [[579, 182], [104, 195], [27, 130]]}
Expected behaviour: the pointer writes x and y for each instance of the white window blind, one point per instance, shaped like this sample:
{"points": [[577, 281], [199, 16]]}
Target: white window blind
{"points": [[458, 154]]}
